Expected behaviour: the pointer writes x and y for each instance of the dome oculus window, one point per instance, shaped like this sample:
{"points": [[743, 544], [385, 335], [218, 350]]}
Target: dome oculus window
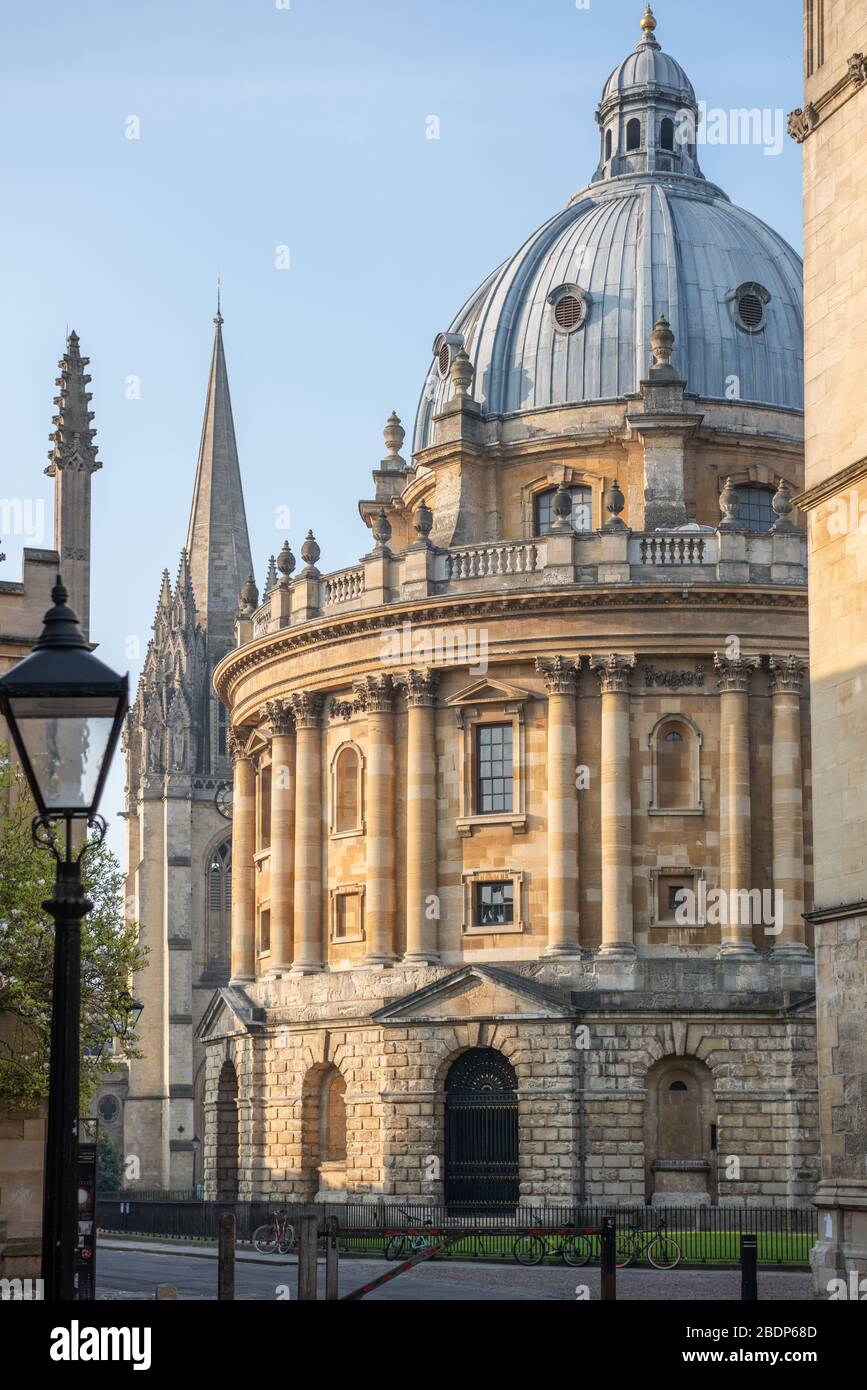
{"points": [[570, 306], [444, 348], [750, 302]]}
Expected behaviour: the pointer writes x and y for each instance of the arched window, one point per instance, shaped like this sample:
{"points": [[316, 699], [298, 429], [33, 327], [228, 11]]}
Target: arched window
{"points": [[219, 913], [333, 1119], [676, 773], [633, 134], [608, 144], [755, 511], [666, 134], [582, 510], [346, 791]]}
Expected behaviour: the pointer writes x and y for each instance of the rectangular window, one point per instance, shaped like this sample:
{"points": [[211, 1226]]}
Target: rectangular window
{"points": [[495, 769], [265, 807], [265, 930], [495, 904], [347, 915]]}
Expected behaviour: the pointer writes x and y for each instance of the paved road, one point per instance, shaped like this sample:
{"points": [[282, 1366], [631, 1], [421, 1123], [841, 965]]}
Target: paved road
{"points": [[135, 1272]]}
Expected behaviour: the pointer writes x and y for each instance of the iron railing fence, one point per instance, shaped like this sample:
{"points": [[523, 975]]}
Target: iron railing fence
{"points": [[707, 1235]]}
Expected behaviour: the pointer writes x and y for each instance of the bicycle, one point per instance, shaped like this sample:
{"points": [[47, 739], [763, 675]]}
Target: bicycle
{"points": [[662, 1252], [278, 1234], [402, 1245], [537, 1245]]}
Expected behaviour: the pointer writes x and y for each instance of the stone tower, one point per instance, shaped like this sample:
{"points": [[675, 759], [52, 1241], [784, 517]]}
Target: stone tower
{"points": [[178, 854], [72, 464]]}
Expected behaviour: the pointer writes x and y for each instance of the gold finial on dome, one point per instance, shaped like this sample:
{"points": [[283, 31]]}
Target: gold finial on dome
{"points": [[648, 22]]}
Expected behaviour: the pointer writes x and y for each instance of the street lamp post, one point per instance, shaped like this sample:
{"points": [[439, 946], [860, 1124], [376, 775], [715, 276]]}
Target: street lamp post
{"points": [[65, 710]]}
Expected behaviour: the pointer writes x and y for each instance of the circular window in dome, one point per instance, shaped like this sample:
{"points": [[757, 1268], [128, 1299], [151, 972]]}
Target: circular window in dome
{"points": [[108, 1109], [751, 301], [569, 304]]}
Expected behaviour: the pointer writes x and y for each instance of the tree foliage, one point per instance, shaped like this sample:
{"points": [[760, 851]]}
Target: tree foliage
{"points": [[110, 953]]}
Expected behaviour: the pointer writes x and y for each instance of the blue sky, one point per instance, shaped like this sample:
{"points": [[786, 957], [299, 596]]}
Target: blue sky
{"points": [[262, 127]]}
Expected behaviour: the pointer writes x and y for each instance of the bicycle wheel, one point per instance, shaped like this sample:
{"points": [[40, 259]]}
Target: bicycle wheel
{"points": [[265, 1239], [287, 1240], [625, 1252], [529, 1250], [576, 1250], [663, 1253], [398, 1248]]}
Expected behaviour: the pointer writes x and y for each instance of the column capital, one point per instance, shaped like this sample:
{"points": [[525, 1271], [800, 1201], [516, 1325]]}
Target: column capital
{"points": [[236, 739], [786, 674], [307, 708], [735, 672], [419, 687], [613, 671], [560, 672], [375, 694], [280, 717]]}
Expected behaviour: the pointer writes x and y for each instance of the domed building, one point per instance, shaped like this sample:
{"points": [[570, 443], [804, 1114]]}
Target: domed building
{"points": [[520, 840]]}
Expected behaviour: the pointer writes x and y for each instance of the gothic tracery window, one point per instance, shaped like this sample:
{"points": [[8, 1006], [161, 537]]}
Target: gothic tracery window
{"points": [[219, 907]]}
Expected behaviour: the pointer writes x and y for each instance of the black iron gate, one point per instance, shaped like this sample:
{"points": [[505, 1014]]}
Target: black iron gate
{"points": [[481, 1133]]}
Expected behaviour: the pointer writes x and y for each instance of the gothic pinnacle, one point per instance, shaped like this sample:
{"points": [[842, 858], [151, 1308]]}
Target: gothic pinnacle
{"points": [[72, 437]]}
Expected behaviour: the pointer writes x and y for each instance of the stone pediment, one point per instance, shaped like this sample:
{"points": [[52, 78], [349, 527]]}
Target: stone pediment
{"points": [[488, 691], [477, 992], [229, 1012]]}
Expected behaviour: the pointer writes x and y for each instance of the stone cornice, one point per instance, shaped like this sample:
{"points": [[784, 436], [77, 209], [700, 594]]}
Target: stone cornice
{"points": [[275, 646], [828, 487], [803, 122]]}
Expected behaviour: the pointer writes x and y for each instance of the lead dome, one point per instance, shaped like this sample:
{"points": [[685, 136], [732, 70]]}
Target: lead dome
{"points": [[649, 235]]}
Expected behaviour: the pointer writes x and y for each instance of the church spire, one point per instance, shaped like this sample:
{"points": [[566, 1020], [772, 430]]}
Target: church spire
{"points": [[72, 462], [218, 546]]}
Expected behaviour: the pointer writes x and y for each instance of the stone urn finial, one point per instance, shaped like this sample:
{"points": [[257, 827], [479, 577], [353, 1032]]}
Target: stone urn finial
{"points": [[462, 373], [783, 506], [249, 598], [422, 520], [729, 506], [614, 504], [662, 343], [381, 529], [394, 434], [285, 564], [561, 506], [310, 553]]}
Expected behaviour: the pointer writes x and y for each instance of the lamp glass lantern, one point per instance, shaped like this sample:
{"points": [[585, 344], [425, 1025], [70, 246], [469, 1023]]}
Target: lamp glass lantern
{"points": [[65, 710]]}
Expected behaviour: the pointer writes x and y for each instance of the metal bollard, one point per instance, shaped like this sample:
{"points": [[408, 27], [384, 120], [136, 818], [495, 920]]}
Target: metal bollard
{"points": [[749, 1269], [308, 1254], [332, 1258], [226, 1257], [608, 1261]]}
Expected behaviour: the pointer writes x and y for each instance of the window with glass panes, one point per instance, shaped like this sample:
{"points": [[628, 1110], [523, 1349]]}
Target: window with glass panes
{"points": [[582, 514], [494, 768], [495, 904], [755, 511]]}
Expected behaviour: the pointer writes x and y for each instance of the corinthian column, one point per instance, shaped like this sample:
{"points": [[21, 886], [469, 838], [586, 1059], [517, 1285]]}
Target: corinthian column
{"points": [[282, 834], [376, 696], [561, 681], [422, 913], [243, 845], [306, 710], [787, 801], [616, 803], [735, 831]]}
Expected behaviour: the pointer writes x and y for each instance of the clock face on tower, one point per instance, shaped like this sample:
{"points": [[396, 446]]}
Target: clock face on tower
{"points": [[223, 799]]}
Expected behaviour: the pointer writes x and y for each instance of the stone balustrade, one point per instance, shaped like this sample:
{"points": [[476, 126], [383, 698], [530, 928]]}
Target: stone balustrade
{"points": [[616, 557]]}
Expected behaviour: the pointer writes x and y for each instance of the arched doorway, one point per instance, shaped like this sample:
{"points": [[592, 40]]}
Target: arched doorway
{"points": [[481, 1132], [227, 1134], [680, 1132]]}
